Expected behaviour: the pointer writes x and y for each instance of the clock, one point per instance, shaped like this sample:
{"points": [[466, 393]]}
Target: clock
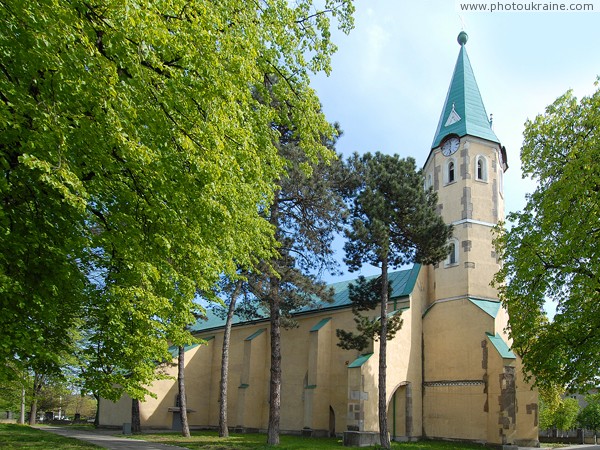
{"points": [[450, 145]]}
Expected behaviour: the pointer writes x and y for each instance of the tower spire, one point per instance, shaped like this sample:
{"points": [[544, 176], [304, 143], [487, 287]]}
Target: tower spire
{"points": [[463, 111]]}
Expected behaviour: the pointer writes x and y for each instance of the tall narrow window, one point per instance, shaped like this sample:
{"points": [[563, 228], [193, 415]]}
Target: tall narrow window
{"points": [[481, 168], [452, 255], [451, 172], [452, 258]]}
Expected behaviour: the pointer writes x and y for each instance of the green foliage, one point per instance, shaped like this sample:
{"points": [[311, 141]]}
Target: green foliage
{"points": [[565, 416], [551, 253], [365, 296], [549, 401], [556, 411], [394, 218], [393, 222], [589, 417], [138, 160]]}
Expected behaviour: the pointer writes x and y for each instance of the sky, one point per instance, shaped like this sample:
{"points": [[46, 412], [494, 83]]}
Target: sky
{"points": [[391, 74]]}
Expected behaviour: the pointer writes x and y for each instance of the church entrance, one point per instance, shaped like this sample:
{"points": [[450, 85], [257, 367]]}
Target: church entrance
{"points": [[399, 415]]}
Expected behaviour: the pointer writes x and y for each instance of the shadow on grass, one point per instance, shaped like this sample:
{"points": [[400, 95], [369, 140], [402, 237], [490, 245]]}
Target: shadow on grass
{"points": [[22, 437]]}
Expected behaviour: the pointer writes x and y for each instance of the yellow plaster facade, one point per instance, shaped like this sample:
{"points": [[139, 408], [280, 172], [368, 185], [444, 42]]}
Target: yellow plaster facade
{"points": [[450, 371]]}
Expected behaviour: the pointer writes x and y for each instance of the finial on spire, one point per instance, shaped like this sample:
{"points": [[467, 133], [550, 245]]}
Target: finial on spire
{"points": [[462, 38]]}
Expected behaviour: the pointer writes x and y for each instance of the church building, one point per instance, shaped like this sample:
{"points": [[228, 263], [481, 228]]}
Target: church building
{"points": [[450, 371]]}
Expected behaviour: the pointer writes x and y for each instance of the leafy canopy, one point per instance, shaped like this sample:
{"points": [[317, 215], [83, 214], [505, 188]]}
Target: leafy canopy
{"points": [[589, 417], [137, 161], [551, 252]]}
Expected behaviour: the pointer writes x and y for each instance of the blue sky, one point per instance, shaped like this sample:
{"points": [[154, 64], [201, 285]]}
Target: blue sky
{"points": [[391, 74]]}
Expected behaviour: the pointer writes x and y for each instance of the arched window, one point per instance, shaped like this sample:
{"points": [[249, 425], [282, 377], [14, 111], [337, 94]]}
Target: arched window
{"points": [[481, 168], [452, 259], [451, 172], [428, 181], [452, 255]]}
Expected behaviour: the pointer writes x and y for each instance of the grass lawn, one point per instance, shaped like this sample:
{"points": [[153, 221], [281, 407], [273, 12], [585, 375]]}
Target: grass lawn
{"points": [[209, 440], [22, 437]]}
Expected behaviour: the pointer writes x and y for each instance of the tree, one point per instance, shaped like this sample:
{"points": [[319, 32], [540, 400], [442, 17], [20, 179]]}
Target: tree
{"points": [[589, 417], [550, 252], [549, 401], [365, 295], [137, 163], [306, 214], [393, 222], [565, 416], [223, 392], [185, 427]]}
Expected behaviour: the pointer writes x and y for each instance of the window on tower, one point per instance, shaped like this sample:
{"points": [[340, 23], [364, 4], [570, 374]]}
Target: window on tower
{"points": [[451, 172], [452, 259], [481, 168]]}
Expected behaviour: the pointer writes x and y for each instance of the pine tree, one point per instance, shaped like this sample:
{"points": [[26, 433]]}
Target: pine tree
{"points": [[393, 222]]}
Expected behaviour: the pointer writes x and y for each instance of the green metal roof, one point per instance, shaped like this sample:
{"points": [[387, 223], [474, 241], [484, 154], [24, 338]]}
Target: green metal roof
{"points": [[403, 283], [255, 334], [174, 351], [463, 111], [488, 306], [501, 346], [318, 326], [359, 361]]}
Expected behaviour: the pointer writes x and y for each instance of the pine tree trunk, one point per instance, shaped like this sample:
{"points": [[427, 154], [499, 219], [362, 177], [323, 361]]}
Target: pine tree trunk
{"points": [[275, 321], [383, 428], [275, 385], [223, 426], [185, 427], [136, 424]]}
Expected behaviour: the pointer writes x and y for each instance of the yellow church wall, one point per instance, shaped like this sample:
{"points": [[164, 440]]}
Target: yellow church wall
{"points": [[480, 260], [455, 411], [454, 398], [154, 412], [115, 414], [297, 346], [513, 403], [453, 331], [527, 410], [252, 387], [404, 362], [305, 400]]}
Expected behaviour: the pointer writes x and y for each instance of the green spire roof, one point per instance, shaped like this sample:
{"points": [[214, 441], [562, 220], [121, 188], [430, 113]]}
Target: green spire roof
{"points": [[463, 111]]}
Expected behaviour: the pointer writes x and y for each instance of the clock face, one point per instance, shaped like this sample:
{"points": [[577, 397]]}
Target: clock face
{"points": [[450, 146]]}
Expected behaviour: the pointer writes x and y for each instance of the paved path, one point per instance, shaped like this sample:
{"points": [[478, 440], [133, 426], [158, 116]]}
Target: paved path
{"points": [[105, 439]]}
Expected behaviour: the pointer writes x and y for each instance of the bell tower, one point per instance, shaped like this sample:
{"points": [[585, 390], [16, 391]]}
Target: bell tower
{"points": [[465, 167], [472, 382]]}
